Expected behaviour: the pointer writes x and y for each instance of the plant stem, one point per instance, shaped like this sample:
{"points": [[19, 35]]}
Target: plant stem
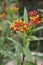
{"points": [[23, 59]]}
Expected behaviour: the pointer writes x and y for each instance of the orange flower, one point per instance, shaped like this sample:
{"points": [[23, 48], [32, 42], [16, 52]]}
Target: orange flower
{"points": [[36, 20], [16, 9], [25, 27], [12, 26], [42, 20], [31, 22], [22, 30], [19, 26], [16, 28], [37, 16], [21, 21], [3, 16], [16, 21]]}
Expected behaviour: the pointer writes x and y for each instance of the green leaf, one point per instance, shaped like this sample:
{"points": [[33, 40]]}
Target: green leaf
{"points": [[18, 57], [10, 12], [29, 63], [38, 57], [15, 42], [25, 15], [4, 25], [41, 38], [27, 42], [38, 28], [29, 31], [28, 54], [34, 37], [7, 53], [18, 48], [20, 34]]}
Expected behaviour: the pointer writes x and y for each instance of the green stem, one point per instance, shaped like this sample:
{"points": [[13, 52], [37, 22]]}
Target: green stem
{"points": [[24, 44], [23, 59]]}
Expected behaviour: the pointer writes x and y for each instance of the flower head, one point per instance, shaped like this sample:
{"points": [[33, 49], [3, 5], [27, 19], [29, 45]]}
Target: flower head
{"points": [[22, 26], [15, 8], [34, 17], [3, 15], [19, 26], [32, 13]]}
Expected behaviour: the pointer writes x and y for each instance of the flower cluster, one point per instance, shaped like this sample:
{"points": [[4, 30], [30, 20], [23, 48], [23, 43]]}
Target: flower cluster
{"points": [[3, 15], [32, 13], [20, 26], [16, 9], [34, 16]]}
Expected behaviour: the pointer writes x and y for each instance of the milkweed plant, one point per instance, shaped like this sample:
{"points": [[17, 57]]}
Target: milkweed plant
{"points": [[24, 29], [20, 33]]}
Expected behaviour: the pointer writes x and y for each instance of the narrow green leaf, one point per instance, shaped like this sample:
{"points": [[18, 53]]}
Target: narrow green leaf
{"points": [[4, 30], [33, 37], [28, 53], [41, 38], [25, 15], [38, 28], [29, 63], [15, 42], [18, 57], [20, 34], [38, 57], [7, 53], [27, 42]]}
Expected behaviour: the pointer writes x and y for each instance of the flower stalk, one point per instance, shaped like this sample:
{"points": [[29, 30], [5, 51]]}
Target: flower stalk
{"points": [[23, 59]]}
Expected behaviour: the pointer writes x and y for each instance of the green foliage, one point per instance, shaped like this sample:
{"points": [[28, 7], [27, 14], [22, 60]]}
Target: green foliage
{"points": [[28, 54], [20, 35], [38, 28], [38, 57], [25, 15], [18, 57], [10, 45], [29, 63], [34, 38]]}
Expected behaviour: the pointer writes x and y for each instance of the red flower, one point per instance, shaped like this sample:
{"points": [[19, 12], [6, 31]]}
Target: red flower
{"points": [[36, 20], [17, 28], [3, 16], [32, 13], [31, 22], [28, 24], [22, 30], [35, 12]]}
